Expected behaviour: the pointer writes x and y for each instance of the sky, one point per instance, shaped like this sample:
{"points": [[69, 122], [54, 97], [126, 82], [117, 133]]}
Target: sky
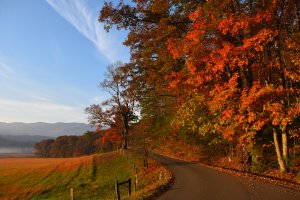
{"points": [[53, 54]]}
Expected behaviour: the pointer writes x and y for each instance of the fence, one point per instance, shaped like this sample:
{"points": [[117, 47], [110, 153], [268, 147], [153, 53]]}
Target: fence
{"points": [[145, 164], [128, 182]]}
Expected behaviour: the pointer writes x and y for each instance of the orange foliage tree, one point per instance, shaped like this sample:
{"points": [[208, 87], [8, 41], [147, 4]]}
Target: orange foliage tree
{"points": [[244, 56], [235, 61]]}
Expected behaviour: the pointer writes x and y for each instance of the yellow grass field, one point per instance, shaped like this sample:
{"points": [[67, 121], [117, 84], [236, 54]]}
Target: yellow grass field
{"points": [[91, 177]]}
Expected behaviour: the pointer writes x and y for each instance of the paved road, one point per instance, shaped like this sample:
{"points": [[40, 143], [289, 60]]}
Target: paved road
{"points": [[194, 182]]}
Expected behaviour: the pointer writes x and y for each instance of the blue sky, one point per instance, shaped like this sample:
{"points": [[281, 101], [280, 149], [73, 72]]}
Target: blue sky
{"points": [[53, 54]]}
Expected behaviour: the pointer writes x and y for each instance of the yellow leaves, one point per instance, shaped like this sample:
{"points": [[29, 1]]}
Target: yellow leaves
{"points": [[192, 115]]}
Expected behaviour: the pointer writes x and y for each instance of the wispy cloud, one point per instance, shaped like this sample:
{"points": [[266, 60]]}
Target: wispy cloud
{"points": [[36, 111], [6, 71], [85, 20], [97, 100]]}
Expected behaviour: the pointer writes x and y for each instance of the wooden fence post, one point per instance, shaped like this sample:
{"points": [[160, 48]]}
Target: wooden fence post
{"points": [[129, 187], [135, 182], [71, 194], [146, 159], [122, 183], [117, 190]]}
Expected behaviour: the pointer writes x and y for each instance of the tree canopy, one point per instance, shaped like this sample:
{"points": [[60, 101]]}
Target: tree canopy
{"points": [[229, 69], [120, 109]]}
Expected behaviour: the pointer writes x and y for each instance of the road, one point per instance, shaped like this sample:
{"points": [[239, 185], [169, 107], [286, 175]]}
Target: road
{"points": [[195, 182]]}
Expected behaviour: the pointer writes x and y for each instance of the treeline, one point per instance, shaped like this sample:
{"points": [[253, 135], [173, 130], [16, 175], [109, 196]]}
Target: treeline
{"points": [[214, 72], [72, 146]]}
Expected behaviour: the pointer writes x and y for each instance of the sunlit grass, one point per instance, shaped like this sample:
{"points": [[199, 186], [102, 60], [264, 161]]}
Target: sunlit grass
{"points": [[91, 177]]}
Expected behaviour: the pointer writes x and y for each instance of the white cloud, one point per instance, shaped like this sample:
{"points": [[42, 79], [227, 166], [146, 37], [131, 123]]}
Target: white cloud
{"points": [[85, 20], [39, 111]]}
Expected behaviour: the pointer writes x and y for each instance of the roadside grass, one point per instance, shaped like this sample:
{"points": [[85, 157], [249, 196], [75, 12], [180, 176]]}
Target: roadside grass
{"points": [[91, 177]]}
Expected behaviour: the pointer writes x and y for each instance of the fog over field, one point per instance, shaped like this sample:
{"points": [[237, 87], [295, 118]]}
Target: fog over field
{"points": [[20, 138], [16, 150]]}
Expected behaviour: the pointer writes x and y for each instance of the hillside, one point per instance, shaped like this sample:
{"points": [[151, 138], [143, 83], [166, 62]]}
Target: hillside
{"points": [[44, 129]]}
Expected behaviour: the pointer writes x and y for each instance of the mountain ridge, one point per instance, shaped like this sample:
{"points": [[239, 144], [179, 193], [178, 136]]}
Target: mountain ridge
{"points": [[44, 129]]}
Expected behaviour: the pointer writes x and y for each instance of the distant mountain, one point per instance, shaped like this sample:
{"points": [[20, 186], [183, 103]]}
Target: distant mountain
{"points": [[43, 129]]}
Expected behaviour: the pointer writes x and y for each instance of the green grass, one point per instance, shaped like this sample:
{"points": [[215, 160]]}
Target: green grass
{"points": [[95, 181], [91, 177]]}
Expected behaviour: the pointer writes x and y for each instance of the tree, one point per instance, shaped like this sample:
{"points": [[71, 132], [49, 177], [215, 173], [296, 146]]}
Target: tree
{"points": [[42, 148], [151, 25], [242, 57], [120, 110], [235, 61], [70, 146]]}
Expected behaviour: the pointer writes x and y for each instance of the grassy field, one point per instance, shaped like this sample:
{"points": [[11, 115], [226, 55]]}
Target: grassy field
{"points": [[91, 177]]}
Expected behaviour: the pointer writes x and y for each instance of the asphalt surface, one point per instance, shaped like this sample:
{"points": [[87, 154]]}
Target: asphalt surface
{"points": [[195, 182]]}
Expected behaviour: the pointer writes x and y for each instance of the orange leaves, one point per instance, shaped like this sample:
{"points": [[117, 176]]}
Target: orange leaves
{"points": [[258, 41], [231, 59], [258, 125], [251, 117], [195, 15], [199, 25], [173, 80], [225, 24], [226, 114], [173, 48], [228, 133], [195, 34]]}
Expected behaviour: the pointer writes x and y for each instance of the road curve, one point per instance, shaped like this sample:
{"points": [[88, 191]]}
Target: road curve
{"points": [[195, 182]]}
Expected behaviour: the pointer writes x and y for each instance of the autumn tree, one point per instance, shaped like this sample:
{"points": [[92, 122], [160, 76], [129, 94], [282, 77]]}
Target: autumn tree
{"points": [[151, 24], [120, 110], [42, 149], [231, 67], [71, 146], [244, 57]]}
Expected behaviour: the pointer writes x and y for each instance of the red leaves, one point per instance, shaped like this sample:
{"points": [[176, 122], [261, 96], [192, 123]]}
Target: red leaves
{"points": [[111, 135]]}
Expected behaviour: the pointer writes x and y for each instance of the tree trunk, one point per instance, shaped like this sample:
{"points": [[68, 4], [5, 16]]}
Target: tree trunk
{"points": [[280, 160], [297, 15], [285, 150], [125, 140]]}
